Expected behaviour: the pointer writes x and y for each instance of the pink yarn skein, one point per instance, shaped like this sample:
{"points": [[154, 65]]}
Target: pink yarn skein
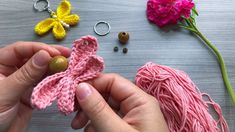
{"points": [[84, 64], [180, 100]]}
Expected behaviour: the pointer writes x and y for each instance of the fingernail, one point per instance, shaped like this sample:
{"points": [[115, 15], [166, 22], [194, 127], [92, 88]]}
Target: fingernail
{"points": [[83, 91], [41, 58]]}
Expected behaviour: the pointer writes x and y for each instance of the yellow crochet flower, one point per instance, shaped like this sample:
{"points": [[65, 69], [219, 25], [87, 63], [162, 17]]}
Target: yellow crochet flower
{"points": [[59, 20]]}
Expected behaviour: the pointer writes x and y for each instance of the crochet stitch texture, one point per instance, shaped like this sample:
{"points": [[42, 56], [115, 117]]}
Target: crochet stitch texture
{"points": [[84, 64]]}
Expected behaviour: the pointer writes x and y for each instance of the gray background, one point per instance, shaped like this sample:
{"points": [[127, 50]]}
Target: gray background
{"points": [[176, 48]]}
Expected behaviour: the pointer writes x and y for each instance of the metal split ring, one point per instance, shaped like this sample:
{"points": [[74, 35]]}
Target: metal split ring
{"points": [[105, 33], [40, 9]]}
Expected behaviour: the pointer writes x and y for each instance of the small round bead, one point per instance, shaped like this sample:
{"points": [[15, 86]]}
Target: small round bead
{"points": [[125, 50], [115, 49], [58, 64], [123, 37], [65, 24], [54, 16]]}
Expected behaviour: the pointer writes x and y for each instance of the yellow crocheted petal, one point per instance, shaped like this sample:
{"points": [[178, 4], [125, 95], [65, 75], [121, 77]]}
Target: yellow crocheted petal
{"points": [[44, 26], [71, 19], [59, 31], [63, 9]]}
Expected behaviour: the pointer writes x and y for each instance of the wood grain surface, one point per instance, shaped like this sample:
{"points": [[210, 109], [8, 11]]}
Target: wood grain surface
{"points": [[176, 48]]}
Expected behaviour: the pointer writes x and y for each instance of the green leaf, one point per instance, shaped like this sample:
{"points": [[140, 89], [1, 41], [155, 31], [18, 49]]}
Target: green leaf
{"points": [[194, 11], [187, 22], [194, 15], [187, 27], [193, 19]]}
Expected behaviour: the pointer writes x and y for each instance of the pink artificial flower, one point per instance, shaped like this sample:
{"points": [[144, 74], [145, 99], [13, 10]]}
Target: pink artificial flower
{"points": [[167, 12]]}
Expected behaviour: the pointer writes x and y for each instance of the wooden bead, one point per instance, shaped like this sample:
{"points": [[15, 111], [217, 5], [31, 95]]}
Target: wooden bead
{"points": [[58, 64], [123, 37]]}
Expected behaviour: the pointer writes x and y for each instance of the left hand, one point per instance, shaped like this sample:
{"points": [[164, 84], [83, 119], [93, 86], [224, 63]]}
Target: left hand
{"points": [[22, 66]]}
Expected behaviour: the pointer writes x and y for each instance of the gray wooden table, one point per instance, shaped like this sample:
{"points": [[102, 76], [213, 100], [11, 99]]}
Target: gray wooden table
{"points": [[175, 48]]}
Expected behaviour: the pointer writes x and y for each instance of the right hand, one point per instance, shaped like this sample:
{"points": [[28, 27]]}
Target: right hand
{"points": [[125, 107]]}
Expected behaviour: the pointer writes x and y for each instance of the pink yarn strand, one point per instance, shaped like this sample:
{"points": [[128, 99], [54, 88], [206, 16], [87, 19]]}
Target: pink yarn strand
{"points": [[180, 100]]}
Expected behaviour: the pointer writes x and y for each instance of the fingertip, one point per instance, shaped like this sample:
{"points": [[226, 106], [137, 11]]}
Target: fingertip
{"points": [[74, 124], [79, 121], [66, 51], [83, 90], [41, 58], [63, 50]]}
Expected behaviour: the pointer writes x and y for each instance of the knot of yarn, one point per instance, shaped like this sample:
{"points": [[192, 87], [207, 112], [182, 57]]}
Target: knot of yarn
{"points": [[180, 100], [84, 64]]}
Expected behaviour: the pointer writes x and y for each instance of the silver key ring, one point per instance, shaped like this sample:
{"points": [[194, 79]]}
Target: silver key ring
{"points": [[102, 22], [40, 9]]}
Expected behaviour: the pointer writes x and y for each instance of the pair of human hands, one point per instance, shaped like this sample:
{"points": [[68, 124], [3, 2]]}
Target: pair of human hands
{"points": [[110, 102]]}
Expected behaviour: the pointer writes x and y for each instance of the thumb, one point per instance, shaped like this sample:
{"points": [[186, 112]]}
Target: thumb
{"points": [[27, 76], [95, 107]]}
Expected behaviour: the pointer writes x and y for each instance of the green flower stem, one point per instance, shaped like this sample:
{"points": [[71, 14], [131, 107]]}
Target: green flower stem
{"points": [[219, 56]]}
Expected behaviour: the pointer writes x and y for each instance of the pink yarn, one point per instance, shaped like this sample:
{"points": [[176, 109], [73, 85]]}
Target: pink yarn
{"points": [[166, 12], [84, 64], [180, 100]]}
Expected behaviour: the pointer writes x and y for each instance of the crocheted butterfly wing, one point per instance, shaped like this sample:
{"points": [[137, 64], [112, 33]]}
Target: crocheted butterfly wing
{"points": [[63, 10], [46, 91], [63, 13], [51, 23], [84, 65], [92, 66], [44, 26], [66, 95], [64, 17], [82, 48], [87, 69]]}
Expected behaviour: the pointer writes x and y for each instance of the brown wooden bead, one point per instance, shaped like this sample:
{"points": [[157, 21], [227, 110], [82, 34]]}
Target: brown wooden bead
{"points": [[123, 37], [58, 64]]}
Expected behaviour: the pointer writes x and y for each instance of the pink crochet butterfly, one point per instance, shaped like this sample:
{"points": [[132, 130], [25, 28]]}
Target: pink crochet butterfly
{"points": [[84, 64]]}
